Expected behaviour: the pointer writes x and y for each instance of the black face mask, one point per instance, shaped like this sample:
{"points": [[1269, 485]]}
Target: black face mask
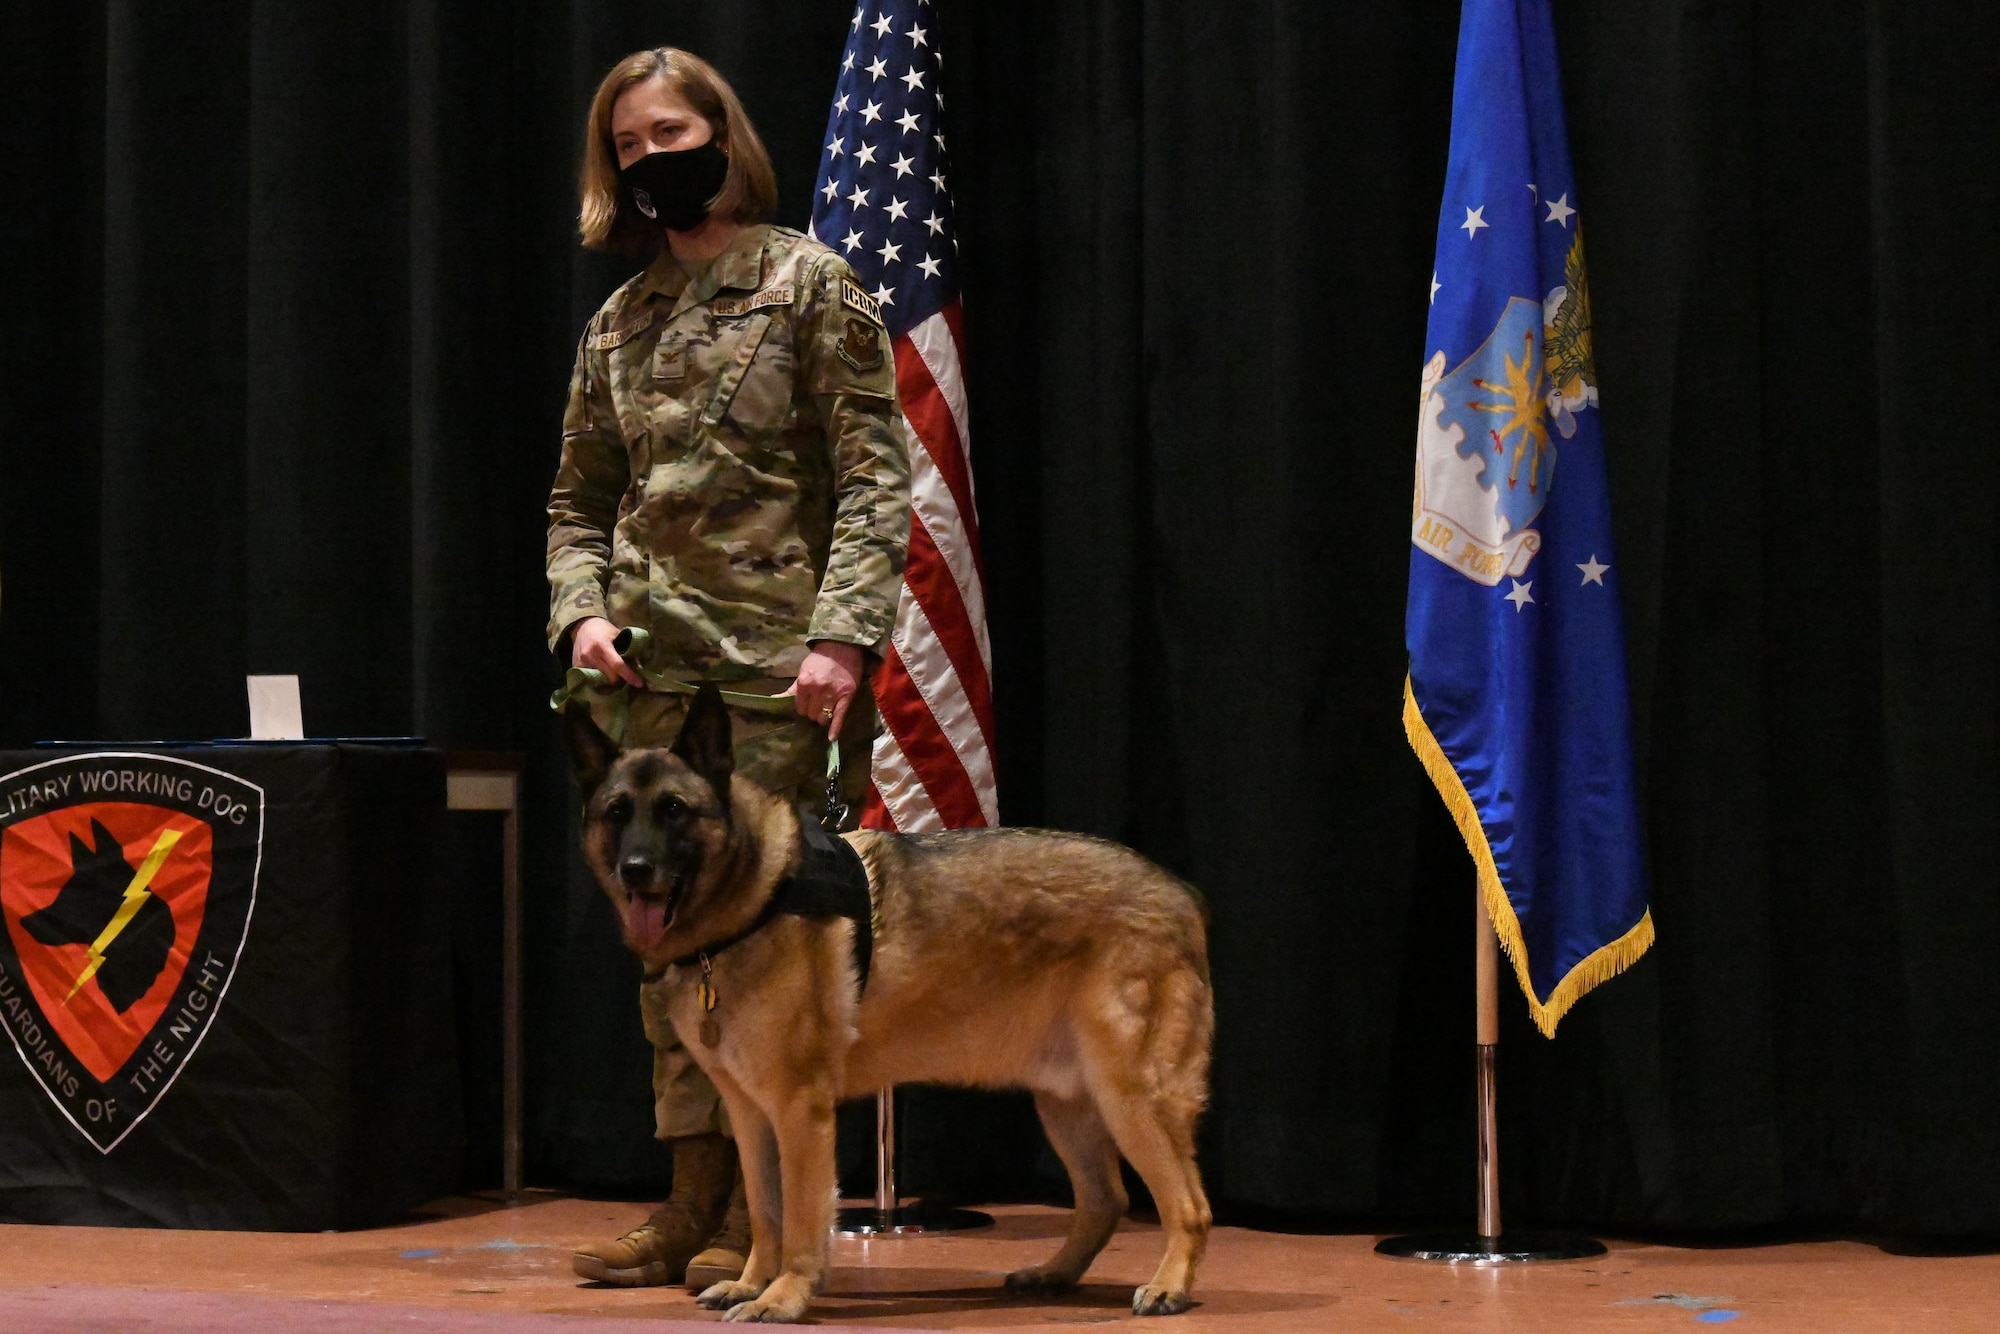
{"points": [[673, 189]]}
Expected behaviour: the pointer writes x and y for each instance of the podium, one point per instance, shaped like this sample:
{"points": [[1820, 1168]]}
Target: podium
{"points": [[226, 977]]}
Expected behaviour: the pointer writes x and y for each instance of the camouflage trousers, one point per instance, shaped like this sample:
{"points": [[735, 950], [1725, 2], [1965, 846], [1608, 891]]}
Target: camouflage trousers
{"points": [[786, 755]]}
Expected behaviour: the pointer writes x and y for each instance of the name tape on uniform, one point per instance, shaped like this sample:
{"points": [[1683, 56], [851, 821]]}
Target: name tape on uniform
{"points": [[856, 299], [604, 342], [743, 305]]}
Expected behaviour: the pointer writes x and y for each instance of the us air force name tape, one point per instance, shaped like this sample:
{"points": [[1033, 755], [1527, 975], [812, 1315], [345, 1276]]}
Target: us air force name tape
{"points": [[780, 295]]}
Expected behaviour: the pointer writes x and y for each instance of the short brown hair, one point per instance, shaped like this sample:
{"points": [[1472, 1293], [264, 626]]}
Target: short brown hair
{"points": [[607, 220]]}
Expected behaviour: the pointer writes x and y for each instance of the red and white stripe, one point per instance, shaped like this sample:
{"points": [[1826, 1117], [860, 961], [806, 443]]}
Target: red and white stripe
{"points": [[933, 763]]}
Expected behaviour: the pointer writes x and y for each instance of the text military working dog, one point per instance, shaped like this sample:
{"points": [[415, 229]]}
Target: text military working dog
{"points": [[1002, 958]]}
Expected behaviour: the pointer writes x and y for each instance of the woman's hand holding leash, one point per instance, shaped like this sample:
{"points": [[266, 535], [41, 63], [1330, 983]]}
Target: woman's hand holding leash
{"points": [[591, 646], [827, 680]]}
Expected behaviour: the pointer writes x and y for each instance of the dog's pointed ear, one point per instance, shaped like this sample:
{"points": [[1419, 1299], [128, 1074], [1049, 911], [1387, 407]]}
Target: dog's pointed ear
{"points": [[591, 752], [107, 842], [704, 742]]}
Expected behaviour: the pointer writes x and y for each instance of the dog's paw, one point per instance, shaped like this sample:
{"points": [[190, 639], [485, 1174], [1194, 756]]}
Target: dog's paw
{"points": [[767, 1311], [1038, 1282], [728, 1295], [1154, 1300]]}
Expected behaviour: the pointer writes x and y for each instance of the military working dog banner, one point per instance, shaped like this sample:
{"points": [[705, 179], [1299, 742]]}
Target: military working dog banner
{"points": [[226, 977], [1516, 698], [127, 884]]}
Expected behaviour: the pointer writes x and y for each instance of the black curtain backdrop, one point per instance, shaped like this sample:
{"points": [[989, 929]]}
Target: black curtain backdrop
{"points": [[291, 294]]}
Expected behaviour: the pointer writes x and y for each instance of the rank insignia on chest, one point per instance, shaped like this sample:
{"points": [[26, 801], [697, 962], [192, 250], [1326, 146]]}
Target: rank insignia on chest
{"points": [[861, 345], [670, 358]]}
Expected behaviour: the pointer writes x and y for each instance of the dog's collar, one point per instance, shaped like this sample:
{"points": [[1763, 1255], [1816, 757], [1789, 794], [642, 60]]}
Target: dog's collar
{"points": [[830, 882]]}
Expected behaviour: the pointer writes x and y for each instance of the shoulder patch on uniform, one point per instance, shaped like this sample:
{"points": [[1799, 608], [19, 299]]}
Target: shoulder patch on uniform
{"points": [[780, 295], [860, 346], [856, 299]]}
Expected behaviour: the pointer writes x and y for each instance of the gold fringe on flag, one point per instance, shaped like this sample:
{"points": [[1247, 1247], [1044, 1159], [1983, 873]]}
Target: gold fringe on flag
{"points": [[1602, 964]]}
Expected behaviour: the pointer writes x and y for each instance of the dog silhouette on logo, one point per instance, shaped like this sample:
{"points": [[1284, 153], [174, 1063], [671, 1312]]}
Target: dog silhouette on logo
{"points": [[89, 899]]}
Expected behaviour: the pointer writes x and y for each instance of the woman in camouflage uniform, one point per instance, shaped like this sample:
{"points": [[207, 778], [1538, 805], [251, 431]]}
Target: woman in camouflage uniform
{"points": [[734, 481]]}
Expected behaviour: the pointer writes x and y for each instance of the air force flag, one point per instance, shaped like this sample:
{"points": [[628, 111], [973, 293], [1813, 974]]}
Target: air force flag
{"points": [[1516, 698]]}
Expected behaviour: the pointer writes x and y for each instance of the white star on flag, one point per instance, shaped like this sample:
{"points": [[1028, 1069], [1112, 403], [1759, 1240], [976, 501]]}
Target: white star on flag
{"points": [[1560, 211], [1475, 218], [865, 154], [879, 68], [913, 79], [1593, 573], [897, 208], [902, 166], [884, 295], [1521, 597], [872, 112], [852, 241], [881, 26], [929, 266], [1436, 286], [890, 252], [859, 198], [908, 120]]}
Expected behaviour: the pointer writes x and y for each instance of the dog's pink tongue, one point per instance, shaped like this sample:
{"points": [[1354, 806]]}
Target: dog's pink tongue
{"points": [[645, 921]]}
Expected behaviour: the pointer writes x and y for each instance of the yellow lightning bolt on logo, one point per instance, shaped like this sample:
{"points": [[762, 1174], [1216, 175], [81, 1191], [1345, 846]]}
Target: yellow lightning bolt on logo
{"points": [[136, 895]]}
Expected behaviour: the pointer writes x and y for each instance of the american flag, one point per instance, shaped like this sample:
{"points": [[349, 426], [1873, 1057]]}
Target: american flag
{"points": [[883, 202]]}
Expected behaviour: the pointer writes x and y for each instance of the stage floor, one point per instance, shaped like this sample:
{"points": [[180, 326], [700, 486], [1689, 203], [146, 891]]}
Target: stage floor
{"points": [[473, 1266]]}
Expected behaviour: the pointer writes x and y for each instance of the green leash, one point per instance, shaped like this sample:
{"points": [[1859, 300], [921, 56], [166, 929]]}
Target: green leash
{"points": [[578, 682], [581, 683], [835, 813]]}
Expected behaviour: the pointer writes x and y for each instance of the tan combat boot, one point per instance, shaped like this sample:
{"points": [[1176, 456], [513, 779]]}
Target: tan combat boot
{"points": [[656, 1252], [728, 1250]]}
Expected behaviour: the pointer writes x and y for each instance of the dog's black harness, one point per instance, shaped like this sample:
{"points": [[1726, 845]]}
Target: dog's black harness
{"points": [[829, 882]]}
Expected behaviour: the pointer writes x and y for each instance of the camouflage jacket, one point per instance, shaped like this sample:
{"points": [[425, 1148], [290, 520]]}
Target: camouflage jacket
{"points": [[734, 476]]}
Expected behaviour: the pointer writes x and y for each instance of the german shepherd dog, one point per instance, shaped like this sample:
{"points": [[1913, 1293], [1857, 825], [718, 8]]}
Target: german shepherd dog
{"points": [[999, 958]]}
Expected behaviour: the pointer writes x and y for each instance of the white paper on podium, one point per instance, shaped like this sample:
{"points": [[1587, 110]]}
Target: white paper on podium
{"points": [[274, 709]]}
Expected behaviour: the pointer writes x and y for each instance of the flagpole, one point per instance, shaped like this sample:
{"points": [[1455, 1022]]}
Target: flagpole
{"points": [[1486, 974], [1487, 1244], [889, 1216]]}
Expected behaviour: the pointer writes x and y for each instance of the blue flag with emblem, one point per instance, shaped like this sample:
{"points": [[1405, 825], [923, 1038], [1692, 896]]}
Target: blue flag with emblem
{"points": [[1516, 699]]}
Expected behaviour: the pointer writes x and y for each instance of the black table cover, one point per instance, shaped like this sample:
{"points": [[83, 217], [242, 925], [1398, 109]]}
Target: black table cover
{"points": [[226, 972]]}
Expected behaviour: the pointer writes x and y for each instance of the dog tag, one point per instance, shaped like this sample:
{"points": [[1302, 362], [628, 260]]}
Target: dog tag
{"points": [[711, 1033]]}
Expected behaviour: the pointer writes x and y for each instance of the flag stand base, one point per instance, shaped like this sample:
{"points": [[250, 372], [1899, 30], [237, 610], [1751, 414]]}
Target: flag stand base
{"points": [[907, 1220], [1472, 1249]]}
